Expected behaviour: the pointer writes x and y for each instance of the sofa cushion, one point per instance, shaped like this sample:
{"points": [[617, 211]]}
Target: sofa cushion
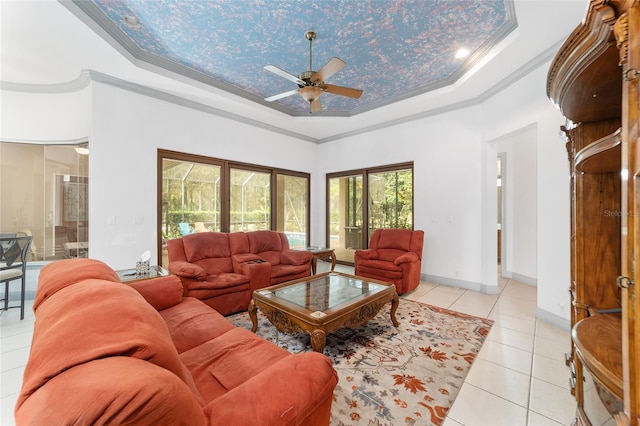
{"points": [[229, 360], [282, 270], [295, 257], [389, 255], [191, 323], [299, 387], [399, 239], [219, 282], [238, 243], [161, 293], [264, 241], [68, 272], [116, 390], [206, 245], [96, 319], [215, 265]]}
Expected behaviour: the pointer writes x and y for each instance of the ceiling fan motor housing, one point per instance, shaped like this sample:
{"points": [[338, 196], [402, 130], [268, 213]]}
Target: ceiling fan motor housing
{"points": [[306, 77]]}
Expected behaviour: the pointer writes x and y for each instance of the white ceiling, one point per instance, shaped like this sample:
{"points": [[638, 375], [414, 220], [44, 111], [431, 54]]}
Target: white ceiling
{"points": [[45, 47]]}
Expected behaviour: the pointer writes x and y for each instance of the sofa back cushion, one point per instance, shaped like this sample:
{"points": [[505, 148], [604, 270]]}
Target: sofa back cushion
{"points": [[210, 250], [267, 244], [95, 319], [63, 273], [392, 243], [238, 243]]}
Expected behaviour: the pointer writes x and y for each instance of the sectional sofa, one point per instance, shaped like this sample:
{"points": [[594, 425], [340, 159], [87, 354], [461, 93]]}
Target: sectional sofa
{"points": [[104, 352], [223, 269]]}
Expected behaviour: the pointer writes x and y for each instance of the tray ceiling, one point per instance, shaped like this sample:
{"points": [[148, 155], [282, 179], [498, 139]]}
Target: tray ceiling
{"points": [[394, 50]]}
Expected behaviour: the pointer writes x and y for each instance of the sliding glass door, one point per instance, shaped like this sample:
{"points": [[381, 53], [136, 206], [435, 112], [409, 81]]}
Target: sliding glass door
{"points": [[345, 215], [359, 202], [292, 195]]}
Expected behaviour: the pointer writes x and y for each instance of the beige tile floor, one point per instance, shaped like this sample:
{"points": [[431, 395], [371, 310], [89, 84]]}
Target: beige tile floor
{"points": [[519, 377]]}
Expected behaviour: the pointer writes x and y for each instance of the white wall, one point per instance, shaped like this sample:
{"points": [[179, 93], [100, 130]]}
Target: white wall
{"points": [[45, 117], [521, 106], [127, 130], [519, 224]]}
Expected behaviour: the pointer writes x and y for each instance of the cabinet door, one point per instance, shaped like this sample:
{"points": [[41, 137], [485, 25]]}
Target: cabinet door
{"points": [[631, 238]]}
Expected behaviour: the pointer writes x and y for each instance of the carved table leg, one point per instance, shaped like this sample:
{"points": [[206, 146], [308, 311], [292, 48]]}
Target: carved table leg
{"points": [[318, 340], [333, 260], [253, 314], [394, 307]]}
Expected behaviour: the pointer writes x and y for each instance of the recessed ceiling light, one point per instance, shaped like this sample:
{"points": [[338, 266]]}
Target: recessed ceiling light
{"points": [[462, 53], [132, 22]]}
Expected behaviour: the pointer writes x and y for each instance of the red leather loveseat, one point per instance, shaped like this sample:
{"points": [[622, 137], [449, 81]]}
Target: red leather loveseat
{"points": [[223, 269], [395, 256], [104, 352]]}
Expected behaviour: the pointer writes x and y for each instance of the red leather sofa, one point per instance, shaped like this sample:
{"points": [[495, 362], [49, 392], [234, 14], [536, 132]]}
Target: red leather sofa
{"points": [[104, 352], [223, 269], [395, 256]]}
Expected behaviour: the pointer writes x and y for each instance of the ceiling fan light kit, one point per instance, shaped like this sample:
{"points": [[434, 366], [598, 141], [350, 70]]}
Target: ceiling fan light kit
{"points": [[311, 83]]}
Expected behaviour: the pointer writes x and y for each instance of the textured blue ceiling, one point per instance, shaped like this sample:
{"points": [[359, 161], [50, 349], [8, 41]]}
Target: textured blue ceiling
{"points": [[393, 49]]}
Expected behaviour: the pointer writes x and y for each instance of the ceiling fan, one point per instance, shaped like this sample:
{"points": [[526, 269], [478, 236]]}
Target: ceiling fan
{"points": [[310, 83]]}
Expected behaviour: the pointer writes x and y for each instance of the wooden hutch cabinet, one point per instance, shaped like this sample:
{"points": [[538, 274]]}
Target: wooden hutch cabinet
{"points": [[594, 81]]}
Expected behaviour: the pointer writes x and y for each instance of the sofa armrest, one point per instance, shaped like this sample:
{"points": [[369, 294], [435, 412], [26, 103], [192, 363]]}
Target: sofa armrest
{"points": [[367, 254], [161, 292], [259, 273], [406, 258], [295, 257], [185, 269], [300, 386]]}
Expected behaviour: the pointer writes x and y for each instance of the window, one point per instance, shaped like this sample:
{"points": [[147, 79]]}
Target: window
{"points": [[250, 200], [391, 199], [199, 194], [387, 203], [44, 193], [292, 201], [190, 197]]}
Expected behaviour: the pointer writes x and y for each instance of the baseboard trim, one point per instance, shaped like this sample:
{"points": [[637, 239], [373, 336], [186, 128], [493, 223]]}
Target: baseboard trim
{"points": [[468, 285], [521, 278], [553, 319]]}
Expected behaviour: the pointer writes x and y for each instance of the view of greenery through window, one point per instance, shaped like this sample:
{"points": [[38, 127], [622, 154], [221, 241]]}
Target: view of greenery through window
{"points": [[193, 199], [389, 202], [250, 200], [190, 197]]}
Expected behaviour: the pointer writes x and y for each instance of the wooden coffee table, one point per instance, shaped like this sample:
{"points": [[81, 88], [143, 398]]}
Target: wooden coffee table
{"points": [[323, 303]]}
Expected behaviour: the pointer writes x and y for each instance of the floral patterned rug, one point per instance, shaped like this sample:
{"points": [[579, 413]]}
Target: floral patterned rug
{"points": [[408, 375]]}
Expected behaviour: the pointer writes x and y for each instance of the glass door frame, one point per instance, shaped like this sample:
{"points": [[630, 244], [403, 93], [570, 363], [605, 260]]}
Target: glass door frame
{"points": [[365, 197]]}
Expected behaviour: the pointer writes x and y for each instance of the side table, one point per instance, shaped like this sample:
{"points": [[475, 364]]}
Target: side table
{"points": [[322, 253], [130, 275]]}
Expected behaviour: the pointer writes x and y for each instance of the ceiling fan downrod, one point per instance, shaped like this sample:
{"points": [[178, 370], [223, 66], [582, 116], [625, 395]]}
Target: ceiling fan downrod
{"points": [[310, 35]]}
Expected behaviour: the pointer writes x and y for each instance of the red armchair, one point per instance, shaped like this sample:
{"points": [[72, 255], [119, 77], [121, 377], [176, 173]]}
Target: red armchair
{"points": [[395, 256]]}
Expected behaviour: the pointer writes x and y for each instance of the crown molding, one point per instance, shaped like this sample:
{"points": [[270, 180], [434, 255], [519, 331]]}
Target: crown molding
{"points": [[86, 76], [79, 83]]}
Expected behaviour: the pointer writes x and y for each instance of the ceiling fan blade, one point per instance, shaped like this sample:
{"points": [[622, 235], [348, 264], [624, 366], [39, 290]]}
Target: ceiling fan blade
{"points": [[342, 91], [284, 74], [316, 105], [327, 70], [281, 95]]}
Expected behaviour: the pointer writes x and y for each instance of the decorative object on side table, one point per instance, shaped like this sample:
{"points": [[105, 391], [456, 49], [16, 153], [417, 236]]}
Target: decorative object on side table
{"points": [[131, 275]]}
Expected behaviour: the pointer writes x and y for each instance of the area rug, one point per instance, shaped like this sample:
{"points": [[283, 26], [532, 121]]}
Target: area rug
{"points": [[408, 375]]}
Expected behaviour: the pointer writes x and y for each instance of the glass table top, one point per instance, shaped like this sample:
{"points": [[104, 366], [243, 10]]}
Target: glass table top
{"points": [[325, 292]]}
